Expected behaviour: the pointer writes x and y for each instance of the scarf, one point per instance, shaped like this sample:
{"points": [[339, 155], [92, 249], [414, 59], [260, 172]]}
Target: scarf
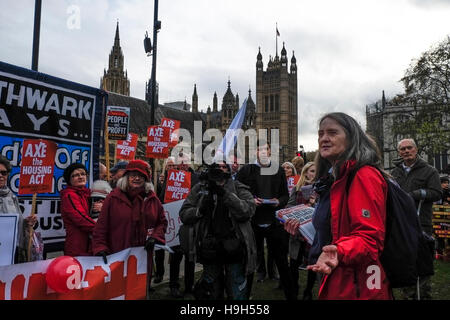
{"points": [[139, 233]]}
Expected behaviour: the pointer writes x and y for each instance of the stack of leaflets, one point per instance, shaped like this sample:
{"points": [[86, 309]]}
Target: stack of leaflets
{"points": [[303, 214]]}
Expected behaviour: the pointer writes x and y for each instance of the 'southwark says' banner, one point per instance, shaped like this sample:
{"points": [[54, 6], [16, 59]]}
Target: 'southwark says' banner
{"points": [[36, 170], [124, 278], [34, 105]]}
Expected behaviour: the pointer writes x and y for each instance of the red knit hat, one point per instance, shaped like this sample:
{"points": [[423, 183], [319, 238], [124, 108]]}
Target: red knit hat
{"points": [[140, 166]]}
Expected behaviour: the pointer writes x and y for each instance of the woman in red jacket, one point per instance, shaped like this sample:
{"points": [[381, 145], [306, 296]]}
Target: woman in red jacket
{"points": [[132, 214], [75, 212], [350, 220]]}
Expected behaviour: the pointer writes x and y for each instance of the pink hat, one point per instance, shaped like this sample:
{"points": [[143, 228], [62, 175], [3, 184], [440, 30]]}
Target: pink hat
{"points": [[140, 166]]}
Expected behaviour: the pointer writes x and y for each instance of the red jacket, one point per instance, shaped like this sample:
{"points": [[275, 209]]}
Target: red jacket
{"points": [[123, 223], [358, 222], [77, 222]]}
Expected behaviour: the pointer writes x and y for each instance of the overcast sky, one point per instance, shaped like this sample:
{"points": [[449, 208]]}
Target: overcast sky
{"points": [[347, 51]]}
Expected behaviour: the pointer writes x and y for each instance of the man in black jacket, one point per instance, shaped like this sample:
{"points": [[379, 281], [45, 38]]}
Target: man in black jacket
{"points": [[270, 194], [421, 180]]}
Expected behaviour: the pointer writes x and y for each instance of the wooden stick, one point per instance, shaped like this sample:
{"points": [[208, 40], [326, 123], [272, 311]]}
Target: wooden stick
{"points": [[33, 213]]}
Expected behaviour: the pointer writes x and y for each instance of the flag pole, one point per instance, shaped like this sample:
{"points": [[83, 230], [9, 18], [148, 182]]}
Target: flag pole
{"points": [[276, 39]]}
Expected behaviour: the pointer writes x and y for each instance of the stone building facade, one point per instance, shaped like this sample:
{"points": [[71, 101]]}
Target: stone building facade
{"points": [[381, 117]]}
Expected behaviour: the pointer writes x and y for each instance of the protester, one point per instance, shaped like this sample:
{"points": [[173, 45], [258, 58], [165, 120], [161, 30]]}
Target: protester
{"points": [[349, 220], [117, 172], [176, 257], [445, 200], [264, 223], [160, 254], [291, 173], [298, 247], [131, 216], [235, 166], [422, 182], [10, 204], [99, 190], [221, 208], [102, 172], [75, 211], [298, 163]]}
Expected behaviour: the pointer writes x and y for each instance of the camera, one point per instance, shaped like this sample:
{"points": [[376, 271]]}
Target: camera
{"points": [[210, 176]]}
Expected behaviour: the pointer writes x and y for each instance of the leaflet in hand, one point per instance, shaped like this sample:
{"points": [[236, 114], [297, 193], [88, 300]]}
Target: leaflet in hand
{"points": [[303, 214], [269, 201]]}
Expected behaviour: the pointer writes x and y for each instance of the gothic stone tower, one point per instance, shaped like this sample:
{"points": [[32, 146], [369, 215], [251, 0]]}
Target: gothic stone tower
{"points": [[276, 101], [115, 79]]}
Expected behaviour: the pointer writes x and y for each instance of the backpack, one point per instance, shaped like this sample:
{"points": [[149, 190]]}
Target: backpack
{"points": [[407, 252]]}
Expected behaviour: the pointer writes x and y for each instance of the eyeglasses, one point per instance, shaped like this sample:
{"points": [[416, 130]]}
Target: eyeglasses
{"points": [[4, 173], [76, 175], [134, 175]]}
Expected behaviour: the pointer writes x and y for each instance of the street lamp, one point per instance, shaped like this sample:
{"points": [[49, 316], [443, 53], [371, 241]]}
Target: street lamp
{"points": [[148, 49]]}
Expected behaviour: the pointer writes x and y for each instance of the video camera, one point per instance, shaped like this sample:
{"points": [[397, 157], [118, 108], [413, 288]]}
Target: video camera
{"points": [[210, 176]]}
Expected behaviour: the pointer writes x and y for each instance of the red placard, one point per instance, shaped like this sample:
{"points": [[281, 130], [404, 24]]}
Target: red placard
{"points": [[37, 166], [178, 185], [157, 142], [173, 125], [126, 149], [292, 182]]}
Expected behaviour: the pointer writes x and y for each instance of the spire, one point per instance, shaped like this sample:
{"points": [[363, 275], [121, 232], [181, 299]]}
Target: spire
{"points": [[259, 63], [383, 101], [195, 99], [117, 38], [215, 102]]}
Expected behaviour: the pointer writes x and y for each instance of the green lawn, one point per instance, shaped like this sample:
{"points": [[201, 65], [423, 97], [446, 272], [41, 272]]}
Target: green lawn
{"points": [[268, 290]]}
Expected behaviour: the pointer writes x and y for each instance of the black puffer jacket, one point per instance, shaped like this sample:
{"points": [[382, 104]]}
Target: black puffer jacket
{"points": [[423, 183]]}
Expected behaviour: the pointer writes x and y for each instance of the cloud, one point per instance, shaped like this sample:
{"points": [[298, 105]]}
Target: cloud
{"points": [[347, 51]]}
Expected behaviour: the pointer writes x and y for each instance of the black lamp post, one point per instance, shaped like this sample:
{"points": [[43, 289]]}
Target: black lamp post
{"points": [[148, 49], [151, 89], [36, 34]]}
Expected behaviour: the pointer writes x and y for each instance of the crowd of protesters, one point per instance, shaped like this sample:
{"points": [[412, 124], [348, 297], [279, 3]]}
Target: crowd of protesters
{"points": [[230, 213]]}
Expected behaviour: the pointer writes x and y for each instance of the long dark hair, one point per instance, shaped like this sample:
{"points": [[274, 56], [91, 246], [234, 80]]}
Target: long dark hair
{"points": [[361, 147]]}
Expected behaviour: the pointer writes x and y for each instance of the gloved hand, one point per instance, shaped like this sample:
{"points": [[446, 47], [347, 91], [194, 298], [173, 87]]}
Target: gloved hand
{"points": [[149, 244], [416, 194], [218, 189], [103, 254]]}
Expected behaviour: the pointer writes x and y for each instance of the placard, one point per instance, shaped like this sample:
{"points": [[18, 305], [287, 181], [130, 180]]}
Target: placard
{"points": [[37, 166], [118, 122], [8, 237], [173, 125], [178, 185], [126, 149], [157, 142]]}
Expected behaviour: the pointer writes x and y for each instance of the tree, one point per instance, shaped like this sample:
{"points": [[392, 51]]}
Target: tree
{"points": [[426, 100]]}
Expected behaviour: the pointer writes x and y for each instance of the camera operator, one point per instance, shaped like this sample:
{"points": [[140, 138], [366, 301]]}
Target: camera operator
{"points": [[221, 208]]}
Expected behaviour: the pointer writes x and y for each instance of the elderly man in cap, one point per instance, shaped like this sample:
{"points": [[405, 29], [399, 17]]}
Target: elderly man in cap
{"points": [[117, 172]]}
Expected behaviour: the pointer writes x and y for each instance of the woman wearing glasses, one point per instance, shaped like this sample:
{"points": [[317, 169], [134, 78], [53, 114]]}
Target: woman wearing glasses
{"points": [[131, 216], [9, 204], [75, 212]]}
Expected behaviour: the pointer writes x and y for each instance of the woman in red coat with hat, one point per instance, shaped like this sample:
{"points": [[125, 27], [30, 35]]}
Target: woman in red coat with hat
{"points": [[132, 214], [75, 211]]}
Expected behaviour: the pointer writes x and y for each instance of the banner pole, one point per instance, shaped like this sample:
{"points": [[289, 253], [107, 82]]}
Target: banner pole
{"points": [[106, 139], [33, 213]]}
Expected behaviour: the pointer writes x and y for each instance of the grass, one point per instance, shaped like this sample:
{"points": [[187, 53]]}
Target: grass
{"points": [[268, 290]]}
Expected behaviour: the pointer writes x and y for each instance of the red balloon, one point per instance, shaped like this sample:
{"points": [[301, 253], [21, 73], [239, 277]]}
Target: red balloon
{"points": [[64, 274]]}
